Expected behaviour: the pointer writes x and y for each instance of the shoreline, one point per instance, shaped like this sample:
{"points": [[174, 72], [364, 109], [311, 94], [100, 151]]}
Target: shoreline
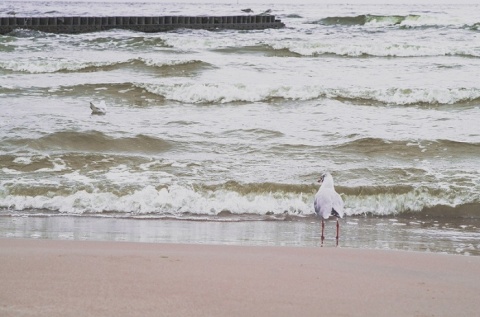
{"points": [[439, 236], [71, 278]]}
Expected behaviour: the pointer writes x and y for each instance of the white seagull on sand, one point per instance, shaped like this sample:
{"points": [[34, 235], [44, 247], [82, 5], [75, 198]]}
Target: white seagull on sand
{"points": [[328, 202], [100, 108]]}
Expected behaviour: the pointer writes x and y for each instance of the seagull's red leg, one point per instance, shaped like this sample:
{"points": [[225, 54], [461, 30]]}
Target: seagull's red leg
{"points": [[338, 232], [323, 228]]}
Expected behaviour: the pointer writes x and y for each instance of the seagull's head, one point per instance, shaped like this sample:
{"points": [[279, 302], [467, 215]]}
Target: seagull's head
{"points": [[326, 178], [322, 178]]}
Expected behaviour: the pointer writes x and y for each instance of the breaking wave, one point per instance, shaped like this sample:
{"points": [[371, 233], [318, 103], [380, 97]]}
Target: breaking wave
{"points": [[91, 141], [111, 39], [53, 65], [432, 147], [117, 40], [410, 21], [380, 49], [193, 92], [264, 201], [367, 19], [226, 93]]}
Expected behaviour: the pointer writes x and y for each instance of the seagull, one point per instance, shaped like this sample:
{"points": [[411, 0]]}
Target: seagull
{"points": [[328, 203], [100, 108], [266, 12]]}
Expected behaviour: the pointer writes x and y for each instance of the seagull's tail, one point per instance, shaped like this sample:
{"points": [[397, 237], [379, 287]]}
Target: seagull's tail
{"points": [[336, 214]]}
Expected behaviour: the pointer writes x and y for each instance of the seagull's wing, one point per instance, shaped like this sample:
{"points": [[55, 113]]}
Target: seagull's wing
{"points": [[337, 203], [101, 108], [323, 204]]}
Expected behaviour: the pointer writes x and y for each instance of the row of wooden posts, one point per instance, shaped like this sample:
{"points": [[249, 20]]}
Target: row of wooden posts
{"points": [[79, 24]]}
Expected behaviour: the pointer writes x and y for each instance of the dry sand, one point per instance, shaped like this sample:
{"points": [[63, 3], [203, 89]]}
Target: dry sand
{"points": [[78, 278]]}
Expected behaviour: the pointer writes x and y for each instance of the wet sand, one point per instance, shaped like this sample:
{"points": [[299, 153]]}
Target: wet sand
{"points": [[453, 236], [86, 278]]}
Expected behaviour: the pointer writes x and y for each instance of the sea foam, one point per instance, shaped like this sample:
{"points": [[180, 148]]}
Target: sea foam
{"points": [[225, 93], [184, 201]]}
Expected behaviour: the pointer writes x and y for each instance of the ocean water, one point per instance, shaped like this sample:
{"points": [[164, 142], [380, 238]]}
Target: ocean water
{"points": [[235, 126]]}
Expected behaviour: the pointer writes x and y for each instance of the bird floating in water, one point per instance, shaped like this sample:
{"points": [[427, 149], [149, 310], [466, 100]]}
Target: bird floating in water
{"points": [[328, 203], [100, 108], [247, 10]]}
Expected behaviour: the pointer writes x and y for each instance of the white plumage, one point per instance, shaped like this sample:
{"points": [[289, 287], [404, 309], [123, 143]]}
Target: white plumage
{"points": [[328, 202], [100, 108]]}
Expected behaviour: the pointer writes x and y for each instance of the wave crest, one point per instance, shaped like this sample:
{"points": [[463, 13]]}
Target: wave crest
{"points": [[381, 49], [54, 65], [366, 19], [231, 198], [434, 147], [93, 141], [409, 21], [226, 93]]}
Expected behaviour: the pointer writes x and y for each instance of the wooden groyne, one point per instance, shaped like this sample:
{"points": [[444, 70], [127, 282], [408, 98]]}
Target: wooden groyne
{"points": [[80, 24]]}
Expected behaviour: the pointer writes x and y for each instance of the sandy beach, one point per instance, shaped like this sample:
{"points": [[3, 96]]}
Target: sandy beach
{"points": [[193, 195], [85, 278]]}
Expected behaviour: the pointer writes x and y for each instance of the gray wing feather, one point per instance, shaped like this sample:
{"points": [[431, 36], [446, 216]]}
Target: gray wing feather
{"points": [[337, 204], [327, 200], [323, 204]]}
